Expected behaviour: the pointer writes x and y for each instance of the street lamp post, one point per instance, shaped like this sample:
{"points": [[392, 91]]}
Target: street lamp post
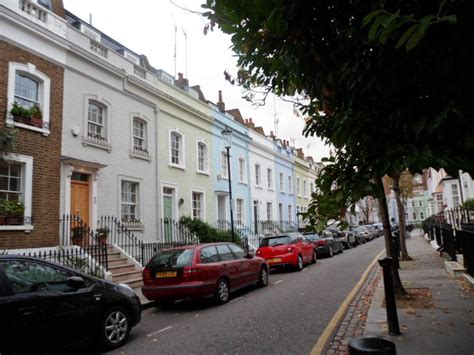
{"points": [[227, 135]]}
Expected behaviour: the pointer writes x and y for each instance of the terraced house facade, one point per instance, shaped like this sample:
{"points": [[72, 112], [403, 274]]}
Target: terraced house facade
{"points": [[122, 141]]}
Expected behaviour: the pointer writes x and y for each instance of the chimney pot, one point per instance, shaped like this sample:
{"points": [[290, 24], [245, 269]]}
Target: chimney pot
{"points": [[180, 76]]}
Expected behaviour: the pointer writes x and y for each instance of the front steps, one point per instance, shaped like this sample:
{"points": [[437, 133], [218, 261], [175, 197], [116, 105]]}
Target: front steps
{"points": [[125, 270]]}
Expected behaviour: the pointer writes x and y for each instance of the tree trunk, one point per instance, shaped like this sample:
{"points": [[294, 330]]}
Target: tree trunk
{"points": [[401, 218], [389, 247]]}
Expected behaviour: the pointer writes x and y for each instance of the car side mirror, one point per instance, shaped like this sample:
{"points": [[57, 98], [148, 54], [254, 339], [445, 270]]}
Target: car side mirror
{"points": [[76, 282]]}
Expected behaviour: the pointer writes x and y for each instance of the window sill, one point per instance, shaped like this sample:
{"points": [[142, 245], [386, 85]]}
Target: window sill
{"points": [[93, 142], [25, 227], [45, 131], [142, 156], [176, 166], [270, 189], [258, 187], [243, 182], [134, 226], [203, 172]]}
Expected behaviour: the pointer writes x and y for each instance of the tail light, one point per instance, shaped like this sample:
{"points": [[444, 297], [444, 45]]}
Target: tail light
{"points": [[146, 275], [259, 252], [320, 243], [189, 272]]}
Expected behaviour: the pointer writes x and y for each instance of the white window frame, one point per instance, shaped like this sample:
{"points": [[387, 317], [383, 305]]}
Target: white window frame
{"points": [[290, 213], [242, 175], [203, 204], [269, 210], [91, 141], [282, 182], [205, 158], [136, 153], [258, 175], [44, 93], [290, 184], [270, 178], [298, 187], [240, 209], [27, 188], [305, 189], [138, 223], [181, 156], [224, 166]]}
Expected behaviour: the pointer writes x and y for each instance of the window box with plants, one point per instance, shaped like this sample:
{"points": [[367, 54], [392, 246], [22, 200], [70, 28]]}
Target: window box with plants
{"points": [[11, 213], [30, 116]]}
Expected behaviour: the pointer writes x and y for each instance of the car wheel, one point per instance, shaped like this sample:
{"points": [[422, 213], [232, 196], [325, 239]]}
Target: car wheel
{"points": [[263, 278], [331, 252], [299, 265], [222, 293], [314, 258], [342, 248], [114, 328]]}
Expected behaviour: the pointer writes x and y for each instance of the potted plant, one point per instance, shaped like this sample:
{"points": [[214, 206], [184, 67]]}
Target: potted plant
{"points": [[11, 212], [102, 235], [36, 116], [77, 235], [31, 116]]}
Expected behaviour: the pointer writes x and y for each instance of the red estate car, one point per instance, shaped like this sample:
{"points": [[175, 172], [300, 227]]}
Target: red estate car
{"points": [[287, 249], [196, 271]]}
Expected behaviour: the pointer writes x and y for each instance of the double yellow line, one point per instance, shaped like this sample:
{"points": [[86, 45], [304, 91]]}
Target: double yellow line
{"points": [[324, 338]]}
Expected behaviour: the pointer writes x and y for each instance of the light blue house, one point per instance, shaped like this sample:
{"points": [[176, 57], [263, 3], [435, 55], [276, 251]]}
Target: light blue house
{"points": [[239, 167], [284, 184]]}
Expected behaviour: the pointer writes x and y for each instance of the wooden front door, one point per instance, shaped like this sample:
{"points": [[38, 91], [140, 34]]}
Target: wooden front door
{"points": [[80, 196]]}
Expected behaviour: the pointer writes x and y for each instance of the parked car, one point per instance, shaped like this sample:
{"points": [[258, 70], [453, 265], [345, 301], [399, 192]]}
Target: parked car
{"points": [[372, 232], [49, 307], [289, 249], [202, 270], [362, 234], [325, 244], [379, 227], [348, 239]]}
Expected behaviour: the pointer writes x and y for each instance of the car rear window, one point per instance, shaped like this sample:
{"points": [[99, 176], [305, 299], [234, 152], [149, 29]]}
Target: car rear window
{"points": [[274, 241], [172, 258], [312, 237]]}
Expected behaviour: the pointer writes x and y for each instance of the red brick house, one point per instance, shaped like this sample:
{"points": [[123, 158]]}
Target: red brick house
{"points": [[32, 76]]}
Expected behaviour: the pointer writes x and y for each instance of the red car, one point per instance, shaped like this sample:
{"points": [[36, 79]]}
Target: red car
{"points": [[196, 271], [291, 249]]}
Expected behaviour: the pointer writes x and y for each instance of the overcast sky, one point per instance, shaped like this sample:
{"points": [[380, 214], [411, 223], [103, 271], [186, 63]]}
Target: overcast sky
{"points": [[148, 27]]}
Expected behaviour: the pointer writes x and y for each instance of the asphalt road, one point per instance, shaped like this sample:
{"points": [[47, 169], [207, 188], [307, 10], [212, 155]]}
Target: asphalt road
{"points": [[287, 317]]}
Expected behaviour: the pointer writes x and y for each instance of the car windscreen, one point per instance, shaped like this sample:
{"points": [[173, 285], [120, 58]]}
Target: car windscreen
{"points": [[312, 236], [172, 259], [275, 241], [359, 230]]}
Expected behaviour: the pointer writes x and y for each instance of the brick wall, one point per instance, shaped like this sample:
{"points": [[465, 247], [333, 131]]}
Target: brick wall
{"points": [[46, 153]]}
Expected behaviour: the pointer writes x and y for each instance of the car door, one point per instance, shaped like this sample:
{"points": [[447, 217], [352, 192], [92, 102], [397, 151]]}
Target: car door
{"points": [[210, 267], [231, 266], [43, 307], [248, 267]]}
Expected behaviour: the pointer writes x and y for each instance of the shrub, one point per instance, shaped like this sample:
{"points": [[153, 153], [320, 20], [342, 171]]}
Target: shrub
{"points": [[468, 204], [205, 232]]}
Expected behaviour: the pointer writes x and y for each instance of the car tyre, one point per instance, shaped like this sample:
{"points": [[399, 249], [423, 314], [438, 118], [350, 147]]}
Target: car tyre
{"points": [[314, 258], [263, 277], [299, 264], [114, 328], [342, 248], [222, 293]]}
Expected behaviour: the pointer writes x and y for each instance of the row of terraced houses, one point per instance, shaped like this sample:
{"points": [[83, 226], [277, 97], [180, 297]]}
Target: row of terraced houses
{"points": [[118, 137]]}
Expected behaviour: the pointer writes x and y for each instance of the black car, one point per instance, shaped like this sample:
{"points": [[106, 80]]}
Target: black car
{"points": [[45, 306], [327, 243]]}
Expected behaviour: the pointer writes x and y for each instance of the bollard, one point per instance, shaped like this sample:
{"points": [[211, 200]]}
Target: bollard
{"points": [[390, 304], [371, 345]]}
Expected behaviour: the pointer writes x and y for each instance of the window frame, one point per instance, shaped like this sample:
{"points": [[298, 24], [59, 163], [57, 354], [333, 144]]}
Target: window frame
{"points": [[181, 156], [205, 157], [224, 166], [282, 182], [202, 208], [239, 210], [270, 178], [27, 190], [242, 175], [90, 140], [44, 93], [135, 151], [137, 223], [258, 175]]}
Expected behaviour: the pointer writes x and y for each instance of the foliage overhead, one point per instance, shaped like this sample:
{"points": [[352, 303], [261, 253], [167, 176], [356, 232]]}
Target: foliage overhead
{"points": [[388, 83]]}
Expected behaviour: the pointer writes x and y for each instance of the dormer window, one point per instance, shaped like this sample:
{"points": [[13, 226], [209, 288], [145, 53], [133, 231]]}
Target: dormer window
{"points": [[45, 3]]}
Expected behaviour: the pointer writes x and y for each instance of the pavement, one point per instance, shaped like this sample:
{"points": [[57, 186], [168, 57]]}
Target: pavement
{"points": [[440, 320]]}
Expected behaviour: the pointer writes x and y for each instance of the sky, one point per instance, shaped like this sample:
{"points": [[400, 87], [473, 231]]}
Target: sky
{"points": [[148, 27]]}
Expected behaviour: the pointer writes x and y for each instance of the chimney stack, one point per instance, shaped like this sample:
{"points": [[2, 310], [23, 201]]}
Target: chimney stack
{"points": [[182, 82], [221, 103]]}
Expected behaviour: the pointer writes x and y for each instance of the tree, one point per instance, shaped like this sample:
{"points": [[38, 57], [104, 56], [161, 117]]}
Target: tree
{"points": [[383, 109], [367, 206]]}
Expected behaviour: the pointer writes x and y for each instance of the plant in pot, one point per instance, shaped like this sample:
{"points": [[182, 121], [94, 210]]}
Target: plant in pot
{"points": [[20, 114], [102, 235], [12, 212], [77, 235], [36, 116]]}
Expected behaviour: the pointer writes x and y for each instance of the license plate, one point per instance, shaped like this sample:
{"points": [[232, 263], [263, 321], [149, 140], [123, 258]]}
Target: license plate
{"points": [[166, 274], [274, 260]]}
